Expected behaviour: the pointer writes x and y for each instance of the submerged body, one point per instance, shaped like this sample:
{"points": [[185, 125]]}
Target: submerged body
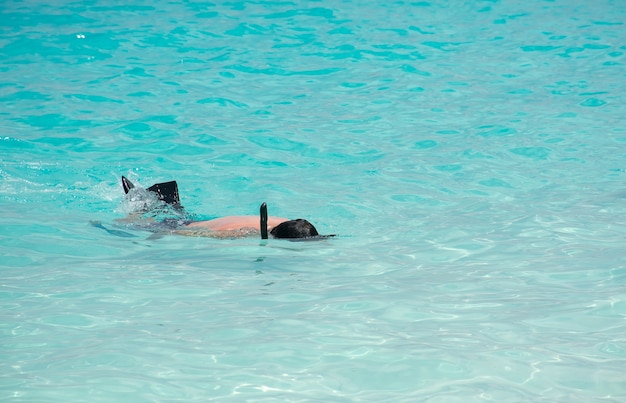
{"points": [[167, 200]]}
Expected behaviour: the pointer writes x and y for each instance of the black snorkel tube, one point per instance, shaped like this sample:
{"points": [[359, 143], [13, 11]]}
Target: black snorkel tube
{"points": [[263, 221]]}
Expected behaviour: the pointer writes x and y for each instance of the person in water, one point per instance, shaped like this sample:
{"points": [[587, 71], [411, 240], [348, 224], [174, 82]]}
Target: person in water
{"points": [[230, 226]]}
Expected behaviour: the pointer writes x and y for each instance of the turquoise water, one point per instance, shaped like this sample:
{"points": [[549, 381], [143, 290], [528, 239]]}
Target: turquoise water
{"points": [[470, 156]]}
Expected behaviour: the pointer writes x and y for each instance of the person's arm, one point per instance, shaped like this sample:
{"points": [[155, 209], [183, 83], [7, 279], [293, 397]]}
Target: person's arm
{"points": [[200, 231]]}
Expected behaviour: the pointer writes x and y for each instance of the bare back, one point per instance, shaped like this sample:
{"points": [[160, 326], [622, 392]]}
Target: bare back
{"points": [[233, 223]]}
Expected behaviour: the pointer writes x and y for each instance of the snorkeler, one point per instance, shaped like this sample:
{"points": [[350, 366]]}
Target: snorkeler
{"points": [[230, 226]]}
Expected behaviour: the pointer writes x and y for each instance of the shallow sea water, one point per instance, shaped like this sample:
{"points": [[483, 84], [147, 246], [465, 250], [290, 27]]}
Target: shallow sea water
{"points": [[470, 155]]}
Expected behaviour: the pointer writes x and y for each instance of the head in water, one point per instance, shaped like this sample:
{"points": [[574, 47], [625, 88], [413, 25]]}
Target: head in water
{"points": [[299, 228]]}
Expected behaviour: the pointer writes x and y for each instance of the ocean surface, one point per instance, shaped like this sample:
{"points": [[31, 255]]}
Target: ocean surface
{"points": [[469, 155]]}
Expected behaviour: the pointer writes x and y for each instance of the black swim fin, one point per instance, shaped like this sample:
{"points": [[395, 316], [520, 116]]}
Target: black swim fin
{"points": [[126, 184], [167, 192], [264, 221]]}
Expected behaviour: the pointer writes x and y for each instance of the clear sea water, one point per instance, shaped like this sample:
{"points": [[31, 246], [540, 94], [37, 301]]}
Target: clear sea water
{"points": [[470, 155]]}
